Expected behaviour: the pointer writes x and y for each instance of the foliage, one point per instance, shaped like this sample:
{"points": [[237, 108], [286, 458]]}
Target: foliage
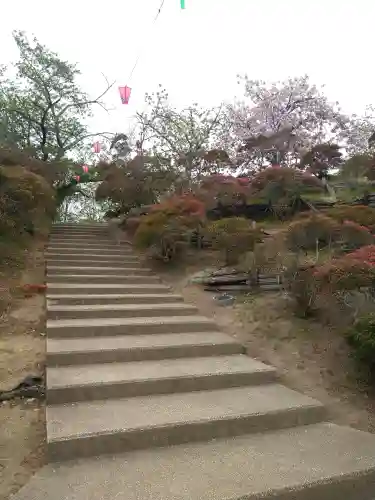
{"points": [[353, 235], [284, 186], [27, 202], [357, 166], [188, 137], [363, 215], [321, 159], [294, 108], [312, 233], [365, 254], [233, 236], [314, 283], [344, 273], [138, 182], [361, 338], [317, 231], [43, 108], [183, 205], [164, 235], [217, 189]]}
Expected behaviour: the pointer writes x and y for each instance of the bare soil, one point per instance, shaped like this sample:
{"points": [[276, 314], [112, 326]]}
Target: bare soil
{"points": [[22, 353], [311, 357]]}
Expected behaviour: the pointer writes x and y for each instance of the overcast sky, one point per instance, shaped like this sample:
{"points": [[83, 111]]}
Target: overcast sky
{"points": [[196, 53]]}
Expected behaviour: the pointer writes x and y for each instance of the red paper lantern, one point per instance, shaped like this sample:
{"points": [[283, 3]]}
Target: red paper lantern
{"points": [[97, 147], [125, 94]]}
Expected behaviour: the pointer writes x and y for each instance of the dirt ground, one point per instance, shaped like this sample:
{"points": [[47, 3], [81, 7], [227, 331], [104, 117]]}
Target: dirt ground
{"points": [[310, 357], [22, 353]]}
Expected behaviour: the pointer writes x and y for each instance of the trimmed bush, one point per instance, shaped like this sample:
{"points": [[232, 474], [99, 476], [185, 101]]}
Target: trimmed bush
{"points": [[233, 236], [311, 233], [361, 338], [363, 215], [163, 235]]}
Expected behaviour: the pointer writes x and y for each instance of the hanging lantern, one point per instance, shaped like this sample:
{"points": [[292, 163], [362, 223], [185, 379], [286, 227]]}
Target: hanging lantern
{"points": [[125, 94], [85, 168], [77, 178], [97, 147], [182, 3]]}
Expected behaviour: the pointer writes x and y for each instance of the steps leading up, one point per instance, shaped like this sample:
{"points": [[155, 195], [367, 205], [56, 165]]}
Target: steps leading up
{"points": [[102, 288], [81, 351], [93, 428], [312, 462], [113, 298], [102, 381], [125, 268], [68, 328], [172, 408], [120, 277], [119, 310]]}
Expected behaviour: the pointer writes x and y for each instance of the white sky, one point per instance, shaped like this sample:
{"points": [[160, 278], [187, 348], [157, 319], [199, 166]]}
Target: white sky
{"points": [[196, 53]]}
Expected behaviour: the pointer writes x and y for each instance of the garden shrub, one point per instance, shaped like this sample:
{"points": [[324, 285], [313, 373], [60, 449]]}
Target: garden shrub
{"points": [[319, 231], [311, 233], [27, 201], [362, 215], [353, 236], [361, 337], [233, 236], [165, 236], [311, 285], [365, 254]]}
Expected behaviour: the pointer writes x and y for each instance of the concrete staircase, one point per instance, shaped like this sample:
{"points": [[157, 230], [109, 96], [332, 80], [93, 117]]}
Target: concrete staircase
{"points": [[147, 400]]}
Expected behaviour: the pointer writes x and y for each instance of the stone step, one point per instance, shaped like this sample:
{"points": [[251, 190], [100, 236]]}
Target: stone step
{"points": [[87, 243], [92, 257], [99, 226], [103, 327], [118, 263], [69, 384], [102, 278], [100, 233], [120, 298], [313, 462], [105, 288], [93, 428], [126, 348], [89, 252], [119, 310], [124, 269]]}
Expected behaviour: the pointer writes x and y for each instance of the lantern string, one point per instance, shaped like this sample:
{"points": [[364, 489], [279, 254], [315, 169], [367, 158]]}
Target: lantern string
{"points": [[140, 52]]}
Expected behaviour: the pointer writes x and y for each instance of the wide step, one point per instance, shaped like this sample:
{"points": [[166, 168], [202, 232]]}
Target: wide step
{"points": [[114, 426], [67, 328], [112, 298], [97, 257], [102, 381], [106, 288], [61, 352], [102, 278], [124, 269], [119, 310], [89, 252], [314, 462]]}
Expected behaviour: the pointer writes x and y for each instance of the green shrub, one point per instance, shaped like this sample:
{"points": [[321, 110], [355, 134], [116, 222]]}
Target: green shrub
{"points": [[354, 236], [361, 338], [164, 236], [319, 231], [363, 215], [27, 201], [311, 233], [233, 236]]}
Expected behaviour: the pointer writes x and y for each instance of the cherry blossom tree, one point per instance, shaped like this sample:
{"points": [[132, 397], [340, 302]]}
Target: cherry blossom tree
{"points": [[279, 121]]}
